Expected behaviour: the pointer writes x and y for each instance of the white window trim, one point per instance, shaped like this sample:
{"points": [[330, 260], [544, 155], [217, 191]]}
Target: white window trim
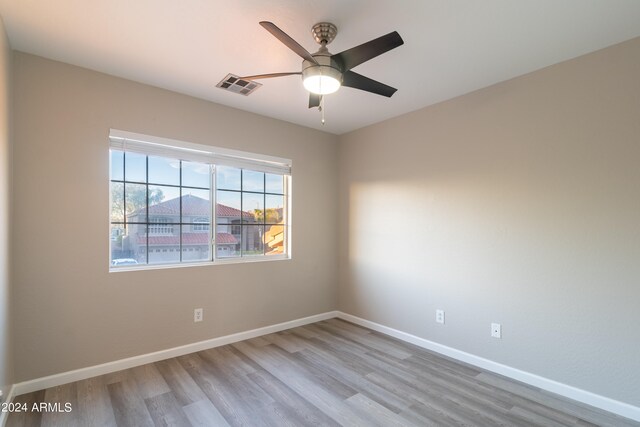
{"points": [[157, 146]]}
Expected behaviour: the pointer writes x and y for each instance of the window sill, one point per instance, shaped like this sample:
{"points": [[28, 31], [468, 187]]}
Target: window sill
{"points": [[220, 261]]}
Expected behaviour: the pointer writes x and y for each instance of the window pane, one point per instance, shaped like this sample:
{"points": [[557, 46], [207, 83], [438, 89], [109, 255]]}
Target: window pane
{"points": [[252, 236], [227, 178], [196, 174], [135, 199], [117, 202], [122, 251], [275, 183], [164, 171], [135, 167], [274, 209], [131, 245], [253, 204], [252, 181], [164, 243], [228, 238], [164, 202], [196, 206], [117, 165], [196, 245], [228, 204], [274, 239]]}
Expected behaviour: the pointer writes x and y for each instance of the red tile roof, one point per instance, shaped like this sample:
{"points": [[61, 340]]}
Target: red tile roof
{"points": [[225, 239], [188, 239], [194, 206], [226, 211]]}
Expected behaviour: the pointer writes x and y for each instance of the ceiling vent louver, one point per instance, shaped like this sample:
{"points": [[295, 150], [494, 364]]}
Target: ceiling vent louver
{"points": [[235, 84]]}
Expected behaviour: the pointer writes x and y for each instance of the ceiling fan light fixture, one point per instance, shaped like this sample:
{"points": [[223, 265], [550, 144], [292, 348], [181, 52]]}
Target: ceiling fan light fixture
{"points": [[321, 80], [321, 85]]}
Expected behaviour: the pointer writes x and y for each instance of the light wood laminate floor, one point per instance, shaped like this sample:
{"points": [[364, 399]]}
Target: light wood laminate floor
{"points": [[328, 373]]}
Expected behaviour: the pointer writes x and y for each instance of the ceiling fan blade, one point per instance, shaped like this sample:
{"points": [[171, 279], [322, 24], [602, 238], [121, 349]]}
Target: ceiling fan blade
{"points": [[314, 100], [288, 41], [366, 51], [358, 81], [268, 76]]}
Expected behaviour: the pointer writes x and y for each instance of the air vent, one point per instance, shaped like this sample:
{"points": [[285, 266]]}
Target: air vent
{"points": [[235, 84]]}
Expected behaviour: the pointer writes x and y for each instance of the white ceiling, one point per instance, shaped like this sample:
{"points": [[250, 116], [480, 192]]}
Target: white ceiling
{"points": [[451, 46]]}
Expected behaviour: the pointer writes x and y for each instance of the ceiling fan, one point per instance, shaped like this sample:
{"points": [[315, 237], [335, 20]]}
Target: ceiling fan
{"points": [[324, 73]]}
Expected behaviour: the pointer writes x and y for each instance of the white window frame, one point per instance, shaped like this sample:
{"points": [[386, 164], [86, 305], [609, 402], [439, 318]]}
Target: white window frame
{"points": [[216, 156], [200, 225]]}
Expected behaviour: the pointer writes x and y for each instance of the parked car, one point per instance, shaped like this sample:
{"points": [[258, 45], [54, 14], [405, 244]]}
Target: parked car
{"points": [[119, 262]]}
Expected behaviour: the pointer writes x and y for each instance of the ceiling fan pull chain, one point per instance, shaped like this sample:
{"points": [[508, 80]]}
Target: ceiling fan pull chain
{"points": [[321, 108]]}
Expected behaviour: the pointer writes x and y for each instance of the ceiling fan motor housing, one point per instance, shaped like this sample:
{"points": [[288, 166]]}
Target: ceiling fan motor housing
{"points": [[323, 33], [323, 75], [326, 66]]}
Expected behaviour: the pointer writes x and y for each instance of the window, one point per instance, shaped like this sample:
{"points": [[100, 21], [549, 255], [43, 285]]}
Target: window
{"points": [[250, 212], [153, 202], [168, 198]]}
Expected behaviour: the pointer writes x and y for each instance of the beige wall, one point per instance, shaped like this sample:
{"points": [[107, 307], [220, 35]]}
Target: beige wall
{"points": [[6, 376], [518, 204], [69, 311]]}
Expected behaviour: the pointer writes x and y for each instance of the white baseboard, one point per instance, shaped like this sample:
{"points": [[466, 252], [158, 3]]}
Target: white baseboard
{"points": [[5, 415], [614, 406], [118, 365]]}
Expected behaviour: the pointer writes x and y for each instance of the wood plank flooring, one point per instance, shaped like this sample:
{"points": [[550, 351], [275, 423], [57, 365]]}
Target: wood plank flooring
{"points": [[326, 374]]}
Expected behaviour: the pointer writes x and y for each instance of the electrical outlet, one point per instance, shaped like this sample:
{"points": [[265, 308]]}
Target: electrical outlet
{"points": [[198, 315], [440, 316], [496, 330]]}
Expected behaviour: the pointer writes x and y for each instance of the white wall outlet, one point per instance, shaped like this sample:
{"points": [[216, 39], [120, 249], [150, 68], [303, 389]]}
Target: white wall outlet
{"points": [[440, 316], [198, 315], [496, 330]]}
